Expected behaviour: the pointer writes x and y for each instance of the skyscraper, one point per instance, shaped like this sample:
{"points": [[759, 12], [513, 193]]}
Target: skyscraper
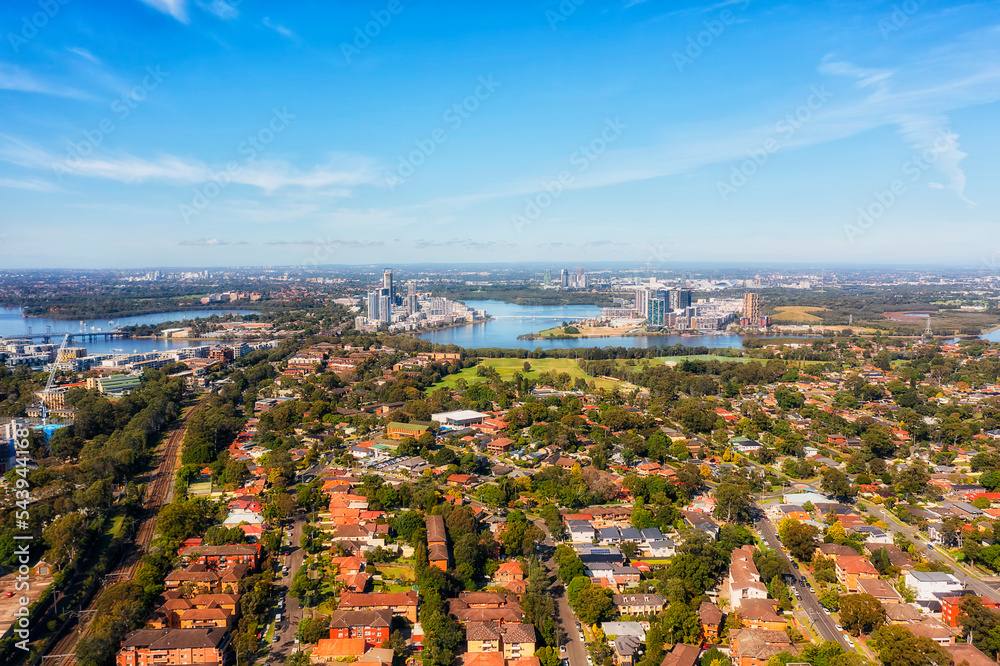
{"points": [[564, 278], [657, 306], [680, 299], [751, 308], [384, 308], [581, 278], [547, 280], [642, 296], [372, 303], [387, 285]]}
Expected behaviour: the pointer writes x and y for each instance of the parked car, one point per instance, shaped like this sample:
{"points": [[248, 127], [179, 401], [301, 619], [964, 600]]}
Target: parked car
{"points": [[562, 649]]}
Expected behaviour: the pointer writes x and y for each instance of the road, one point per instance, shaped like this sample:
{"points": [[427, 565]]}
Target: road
{"points": [[975, 584], [576, 650], [293, 612], [822, 622]]}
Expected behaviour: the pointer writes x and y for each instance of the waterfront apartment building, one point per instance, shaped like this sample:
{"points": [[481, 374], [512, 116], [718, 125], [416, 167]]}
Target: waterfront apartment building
{"points": [[751, 307]]}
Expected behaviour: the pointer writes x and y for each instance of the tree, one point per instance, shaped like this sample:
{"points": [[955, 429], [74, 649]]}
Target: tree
{"points": [[575, 586], [714, 657], [831, 599], [570, 564], [311, 630], [861, 613], [981, 623], [594, 604], [880, 441], [300, 658], [800, 538], [732, 503], [63, 537], [680, 623], [837, 484], [897, 646]]}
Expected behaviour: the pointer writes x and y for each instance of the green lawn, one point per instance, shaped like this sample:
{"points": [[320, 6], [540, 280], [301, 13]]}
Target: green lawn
{"points": [[508, 366], [392, 572]]}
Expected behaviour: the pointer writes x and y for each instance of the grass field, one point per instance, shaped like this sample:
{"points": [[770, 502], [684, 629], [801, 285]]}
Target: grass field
{"points": [[796, 314], [661, 360], [508, 366]]}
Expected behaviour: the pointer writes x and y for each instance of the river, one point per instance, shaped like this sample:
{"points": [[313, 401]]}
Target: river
{"points": [[512, 320], [12, 324]]}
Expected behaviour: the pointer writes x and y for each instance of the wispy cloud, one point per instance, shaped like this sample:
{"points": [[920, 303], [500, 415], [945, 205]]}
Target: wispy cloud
{"points": [[15, 78], [335, 177], [340, 242], [175, 8], [221, 9], [280, 29], [35, 184], [84, 53], [211, 241]]}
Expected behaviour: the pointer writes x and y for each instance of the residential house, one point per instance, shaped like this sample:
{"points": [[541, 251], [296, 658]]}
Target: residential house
{"points": [[753, 647], [509, 571], [851, 569], [155, 647], [760, 614], [332, 650], [371, 625], [928, 585], [710, 617], [968, 654], [951, 608], [639, 604], [627, 649], [935, 630], [681, 655], [880, 589], [402, 604]]}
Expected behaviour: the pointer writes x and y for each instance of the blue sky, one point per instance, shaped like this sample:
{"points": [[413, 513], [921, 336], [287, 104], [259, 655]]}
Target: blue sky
{"points": [[209, 133]]}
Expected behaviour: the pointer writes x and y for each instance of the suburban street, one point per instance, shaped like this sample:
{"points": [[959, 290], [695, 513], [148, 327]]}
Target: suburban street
{"points": [[576, 650], [970, 581], [292, 613], [822, 622]]}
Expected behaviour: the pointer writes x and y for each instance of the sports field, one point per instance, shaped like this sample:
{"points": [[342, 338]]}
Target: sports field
{"points": [[508, 366]]}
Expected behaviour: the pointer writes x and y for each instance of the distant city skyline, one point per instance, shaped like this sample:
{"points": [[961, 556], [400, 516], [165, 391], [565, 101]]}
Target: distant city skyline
{"points": [[207, 133]]}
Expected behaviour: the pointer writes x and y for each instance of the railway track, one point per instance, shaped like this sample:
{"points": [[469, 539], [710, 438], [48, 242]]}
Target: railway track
{"points": [[159, 491]]}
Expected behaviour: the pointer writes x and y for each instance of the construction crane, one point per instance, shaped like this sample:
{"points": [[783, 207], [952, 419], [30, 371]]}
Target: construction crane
{"points": [[52, 376]]}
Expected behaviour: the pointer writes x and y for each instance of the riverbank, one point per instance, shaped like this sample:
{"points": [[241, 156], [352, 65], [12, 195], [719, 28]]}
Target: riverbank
{"points": [[597, 332]]}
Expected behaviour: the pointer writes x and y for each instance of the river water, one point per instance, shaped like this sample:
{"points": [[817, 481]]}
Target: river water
{"points": [[13, 325], [512, 320]]}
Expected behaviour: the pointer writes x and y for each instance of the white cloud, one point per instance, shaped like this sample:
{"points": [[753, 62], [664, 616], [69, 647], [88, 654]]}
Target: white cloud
{"points": [[84, 53], [175, 8], [221, 8], [34, 184], [335, 177], [15, 78], [280, 29]]}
